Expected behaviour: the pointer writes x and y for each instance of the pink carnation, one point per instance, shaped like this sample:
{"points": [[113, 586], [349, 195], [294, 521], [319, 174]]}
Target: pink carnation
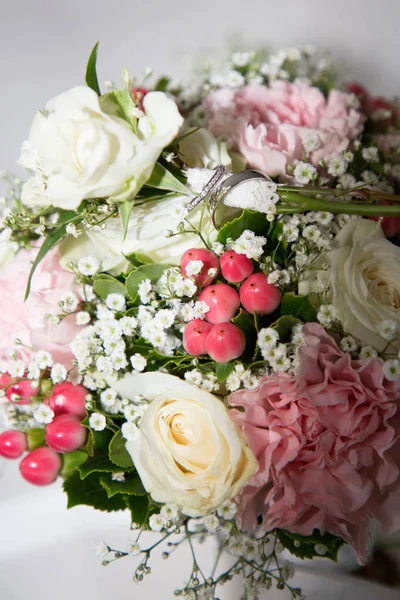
{"points": [[325, 443], [25, 320], [270, 125]]}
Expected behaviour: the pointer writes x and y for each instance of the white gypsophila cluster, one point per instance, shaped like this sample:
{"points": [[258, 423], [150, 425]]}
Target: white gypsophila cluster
{"points": [[88, 266], [370, 154], [327, 315], [304, 173], [43, 414], [167, 519], [249, 244], [97, 421], [206, 381], [280, 357], [337, 165], [172, 284], [391, 369], [244, 378]]}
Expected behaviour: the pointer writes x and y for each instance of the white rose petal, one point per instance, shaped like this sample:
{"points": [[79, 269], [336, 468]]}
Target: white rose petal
{"points": [[187, 450]]}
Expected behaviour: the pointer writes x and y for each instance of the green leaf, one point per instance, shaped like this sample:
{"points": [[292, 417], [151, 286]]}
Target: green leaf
{"points": [[298, 306], [99, 463], [246, 323], [97, 440], [105, 284], [90, 492], [304, 547], [163, 179], [139, 507], [161, 84], [276, 247], [284, 326], [51, 240], [223, 370], [119, 103], [91, 74], [138, 259], [132, 485], [152, 272], [125, 210], [35, 438], [249, 219], [118, 453], [72, 461]]}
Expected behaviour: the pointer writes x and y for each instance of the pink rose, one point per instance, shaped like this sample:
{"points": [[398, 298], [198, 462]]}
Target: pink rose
{"points": [[25, 320], [274, 126], [325, 443]]}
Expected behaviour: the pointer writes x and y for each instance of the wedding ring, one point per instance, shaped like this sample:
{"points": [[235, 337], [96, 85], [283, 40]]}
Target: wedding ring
{"points": [[208, 188]]}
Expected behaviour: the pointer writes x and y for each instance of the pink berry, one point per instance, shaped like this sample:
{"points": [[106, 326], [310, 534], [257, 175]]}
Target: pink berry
{"points": [[209, 260], [222, 300], [67, 398], [65, 433], [41, 466], [24, 389], [390, 225], [235, 267], [195, 336], [12, 444], [225, 342], [259, 296], [5, 380]]}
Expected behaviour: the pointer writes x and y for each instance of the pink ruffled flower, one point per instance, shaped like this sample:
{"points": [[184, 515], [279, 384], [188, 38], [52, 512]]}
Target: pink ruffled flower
{"points": [[272, 126], [25, 320], [325, 439]]}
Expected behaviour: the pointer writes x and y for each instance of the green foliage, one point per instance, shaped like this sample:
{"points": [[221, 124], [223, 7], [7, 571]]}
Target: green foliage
{"points": [[138, 259], [72, 461], [120, 103], [161, 84], [249, 219], [284, 326], [223, 370], [51, 240], [35, 438], [304, 547], [298, 306], [163, 179], [125, 210], [91, 73], [132, 485], [276, 247], [105, 284], [90, 492], [246, 323], [139, 507], [100, 463], [118, 453], [152, 272]]}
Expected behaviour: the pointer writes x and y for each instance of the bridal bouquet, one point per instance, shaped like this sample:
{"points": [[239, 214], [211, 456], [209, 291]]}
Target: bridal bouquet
{"points": [[200, 313]]}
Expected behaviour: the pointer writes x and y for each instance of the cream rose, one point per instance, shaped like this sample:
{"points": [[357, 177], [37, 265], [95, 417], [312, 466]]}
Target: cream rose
{"points": [[188, 450], [364, 278], [76, 150], [145, 234], [200, 149]]}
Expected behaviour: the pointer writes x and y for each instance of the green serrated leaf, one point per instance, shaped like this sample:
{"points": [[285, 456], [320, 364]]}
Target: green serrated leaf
{"points": [[97, 440], [139, 507], [106, 284], [118, 453], [132, 485], [163, 179], [298, 306], [125, 211], [138, 259], [90, 492], [249, 219], [72, 461], [51, 240], [35, 438], [99, 463], [284, 326], [152, 272], [91, 73], [304, 547], [223, 370]]}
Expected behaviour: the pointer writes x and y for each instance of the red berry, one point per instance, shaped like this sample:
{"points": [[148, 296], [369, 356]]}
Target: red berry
{"points": [[259, 296], [390, 225], [138, 95], [209, 260], [225, 342], [5, 380], [222, 300], [24, 389], [41, 466], [235, 267], [65, 433], [67, 398], [195, 336], [12, 444]]}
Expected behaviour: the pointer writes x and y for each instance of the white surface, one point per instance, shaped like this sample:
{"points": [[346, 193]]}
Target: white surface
{"points": [[46, 553], [44, 44]]}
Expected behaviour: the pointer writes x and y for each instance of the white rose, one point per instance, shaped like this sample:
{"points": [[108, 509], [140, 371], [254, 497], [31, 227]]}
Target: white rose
{"points": [[201, 149], [145, 234], [78, 151], [364, 279], [188, 451]]}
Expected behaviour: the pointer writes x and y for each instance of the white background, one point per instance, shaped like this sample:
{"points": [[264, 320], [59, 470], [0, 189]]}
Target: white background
{"points": [[45, 552]]}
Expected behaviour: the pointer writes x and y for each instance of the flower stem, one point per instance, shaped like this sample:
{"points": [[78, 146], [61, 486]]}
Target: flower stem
{"points": [[304, 203]]}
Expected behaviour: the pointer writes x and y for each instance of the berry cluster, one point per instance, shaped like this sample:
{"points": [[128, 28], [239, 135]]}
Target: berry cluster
{"points": [[63, 434], [217, 336]]}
